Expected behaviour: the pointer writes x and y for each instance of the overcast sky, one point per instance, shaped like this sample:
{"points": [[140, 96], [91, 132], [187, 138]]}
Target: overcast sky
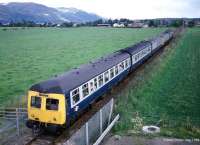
{"points": [[133, 9]]}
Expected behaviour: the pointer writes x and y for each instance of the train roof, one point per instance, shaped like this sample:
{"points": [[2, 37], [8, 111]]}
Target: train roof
{"points": [[137, 47], [74, 78], [157, 38]]}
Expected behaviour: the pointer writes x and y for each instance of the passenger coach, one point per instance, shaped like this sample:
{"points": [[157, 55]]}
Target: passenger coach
{"points": [[58, 101]]}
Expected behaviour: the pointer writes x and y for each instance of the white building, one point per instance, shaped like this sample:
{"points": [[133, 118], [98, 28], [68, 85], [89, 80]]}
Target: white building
{"points": [[116, 25]]}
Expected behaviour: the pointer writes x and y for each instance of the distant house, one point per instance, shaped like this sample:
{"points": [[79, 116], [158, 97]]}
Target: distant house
{"points": [[145, 26], [5, 24], [197, 24], [58, 25], [39, 24], [136, 25], [75, 25], [117, 25], [103, 25]]}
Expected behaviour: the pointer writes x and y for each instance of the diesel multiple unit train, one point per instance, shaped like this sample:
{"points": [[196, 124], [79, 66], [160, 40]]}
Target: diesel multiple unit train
{"points": [[59, 100]]}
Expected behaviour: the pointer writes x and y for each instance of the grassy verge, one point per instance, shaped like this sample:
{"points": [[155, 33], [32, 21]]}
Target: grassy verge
{"points": [[168, 92], [31, 55]]}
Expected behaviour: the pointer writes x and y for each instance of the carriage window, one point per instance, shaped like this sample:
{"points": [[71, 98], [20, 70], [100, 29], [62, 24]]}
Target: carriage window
{"points": [[143, 53], [121, 66], [112, 73], [129, 62], [75, 96], [95, 83], [91, 86], [135, 57], [116, 70], [35, 102], [100, 80], [52, 104], [85, 89], [126, 63], [106, 76]]}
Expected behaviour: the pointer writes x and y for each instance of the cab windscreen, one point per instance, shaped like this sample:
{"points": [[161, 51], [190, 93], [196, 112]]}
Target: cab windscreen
{"points": [[36, 101], [52, 104]]}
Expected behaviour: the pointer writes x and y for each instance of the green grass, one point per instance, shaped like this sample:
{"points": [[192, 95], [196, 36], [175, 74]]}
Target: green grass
{"points": [[169, 94], [31, 55]]}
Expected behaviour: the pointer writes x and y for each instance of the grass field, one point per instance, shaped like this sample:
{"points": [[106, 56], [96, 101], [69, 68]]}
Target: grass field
{"points": [[169, 94], [31, 55]]}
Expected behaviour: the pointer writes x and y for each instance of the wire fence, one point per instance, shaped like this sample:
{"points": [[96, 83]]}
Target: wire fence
{"points": [[12, 123], [93, 128]]}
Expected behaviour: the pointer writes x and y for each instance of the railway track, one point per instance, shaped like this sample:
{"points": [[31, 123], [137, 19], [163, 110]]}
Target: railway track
{"points": [[46, 139], [41, 140], [49, 139]]}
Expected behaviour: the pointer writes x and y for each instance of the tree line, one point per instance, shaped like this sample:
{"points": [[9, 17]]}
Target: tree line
{"points": [[150, 23]]}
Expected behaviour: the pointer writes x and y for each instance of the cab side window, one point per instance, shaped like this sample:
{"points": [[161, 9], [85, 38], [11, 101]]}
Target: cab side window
{"points": [[75, 96]]}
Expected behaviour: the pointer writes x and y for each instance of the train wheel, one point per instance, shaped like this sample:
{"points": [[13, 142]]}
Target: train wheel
{"points": [[36, 130]]}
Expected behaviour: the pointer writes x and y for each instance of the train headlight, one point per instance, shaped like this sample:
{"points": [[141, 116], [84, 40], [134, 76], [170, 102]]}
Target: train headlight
{"points": [[32, 115]]}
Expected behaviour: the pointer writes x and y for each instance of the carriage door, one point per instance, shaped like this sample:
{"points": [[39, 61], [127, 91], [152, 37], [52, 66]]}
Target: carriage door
{"points": [[91, 87]]}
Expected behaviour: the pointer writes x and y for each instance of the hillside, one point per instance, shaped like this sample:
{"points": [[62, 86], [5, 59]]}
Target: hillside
{"points": [[18, 12]]}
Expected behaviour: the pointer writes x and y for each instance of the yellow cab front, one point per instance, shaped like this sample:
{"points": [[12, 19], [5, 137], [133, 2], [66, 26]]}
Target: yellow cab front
{"points": [[46, 108]]}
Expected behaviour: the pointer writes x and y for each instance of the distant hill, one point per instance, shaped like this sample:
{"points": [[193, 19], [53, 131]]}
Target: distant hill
{"points": [[18, 12]]}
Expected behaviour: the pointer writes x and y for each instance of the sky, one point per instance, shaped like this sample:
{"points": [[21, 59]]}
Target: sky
{"points": [[132, 9]]}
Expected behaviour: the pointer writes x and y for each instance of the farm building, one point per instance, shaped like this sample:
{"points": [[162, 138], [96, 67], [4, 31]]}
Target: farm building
{"points": [[137, 25], [117, 25], [103, 25]]}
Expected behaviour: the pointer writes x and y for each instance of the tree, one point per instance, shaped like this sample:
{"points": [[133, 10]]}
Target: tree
{"points": [[115, 21], [99, 21], [67, 24], [191, 23], [151, 23], [110, 22], [177, 23]]}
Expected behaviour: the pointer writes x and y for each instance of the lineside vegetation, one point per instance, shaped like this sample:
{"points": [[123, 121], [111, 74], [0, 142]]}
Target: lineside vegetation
{"points": [[168, 93]]}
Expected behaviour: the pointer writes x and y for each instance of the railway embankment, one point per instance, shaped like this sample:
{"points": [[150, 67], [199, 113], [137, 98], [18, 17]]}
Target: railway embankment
{"points": [[165, 92]]}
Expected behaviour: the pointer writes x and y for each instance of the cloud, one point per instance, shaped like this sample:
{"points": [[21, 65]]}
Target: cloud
{"points": [[133, 9]]}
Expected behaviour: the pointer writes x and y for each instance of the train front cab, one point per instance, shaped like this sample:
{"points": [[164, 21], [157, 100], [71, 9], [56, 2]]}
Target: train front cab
{"points": [[46, 109]]}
